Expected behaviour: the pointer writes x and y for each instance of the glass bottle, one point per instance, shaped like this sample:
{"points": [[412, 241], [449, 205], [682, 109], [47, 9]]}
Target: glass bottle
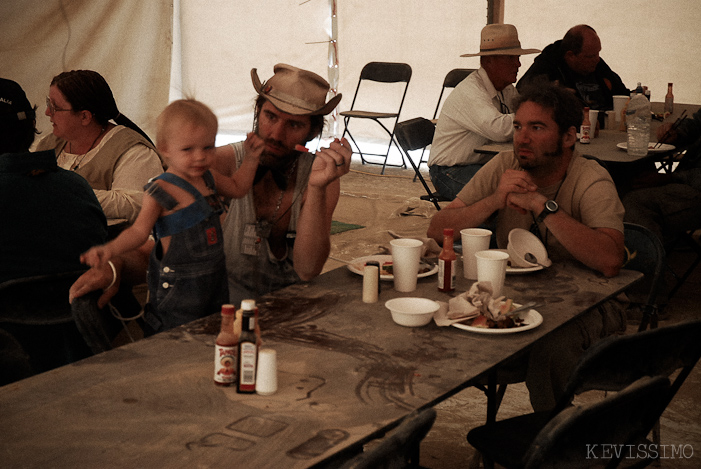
{"points": [[585, 132], [669, 100], [225, 348], [446, 263], [247, 349]]}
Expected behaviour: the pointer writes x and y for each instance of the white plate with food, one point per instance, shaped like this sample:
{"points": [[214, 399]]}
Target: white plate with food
{"points": [[652, 147], [357, 266], [531, 320]]}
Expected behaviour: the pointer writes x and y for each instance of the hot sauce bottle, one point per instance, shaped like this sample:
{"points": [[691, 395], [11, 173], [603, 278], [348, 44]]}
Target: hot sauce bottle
{"points": [[446, 263], [585, 134], [247, 349], [225, 348]]}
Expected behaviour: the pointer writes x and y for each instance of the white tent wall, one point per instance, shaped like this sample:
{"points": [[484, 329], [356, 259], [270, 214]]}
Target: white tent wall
{"points": [[648, 41], [127, 41]]}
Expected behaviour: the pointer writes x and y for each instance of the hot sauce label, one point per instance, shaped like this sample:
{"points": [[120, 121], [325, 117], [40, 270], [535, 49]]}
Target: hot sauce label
{"points": [[224, 364]]}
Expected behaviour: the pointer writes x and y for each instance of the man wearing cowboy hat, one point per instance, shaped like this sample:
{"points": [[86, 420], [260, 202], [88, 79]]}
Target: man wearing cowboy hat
{"points": [[478, 111], [279, 233]]}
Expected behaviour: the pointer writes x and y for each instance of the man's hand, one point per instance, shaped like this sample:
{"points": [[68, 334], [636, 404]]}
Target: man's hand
{"points": [[526, 202], [331, 163], [97, 278], [513, 182]]}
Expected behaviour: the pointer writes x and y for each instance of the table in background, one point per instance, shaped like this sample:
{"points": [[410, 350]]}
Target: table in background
{"points": [[346, 374]]}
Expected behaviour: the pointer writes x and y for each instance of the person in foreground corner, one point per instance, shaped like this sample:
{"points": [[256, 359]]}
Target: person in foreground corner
{"points": [[569, 201], [478, 111], [279, 233]]}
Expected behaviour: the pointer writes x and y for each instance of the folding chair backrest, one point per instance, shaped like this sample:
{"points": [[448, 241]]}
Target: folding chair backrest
{"points": [[590, 436], [615, 362], [414, 134], [401, 448], [386, 72], [451, 80], [645, 253]]}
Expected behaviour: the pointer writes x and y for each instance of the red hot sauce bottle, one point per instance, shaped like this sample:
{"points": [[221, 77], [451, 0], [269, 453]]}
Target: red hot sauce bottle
{"points": [[446, 263], [225, 348]]}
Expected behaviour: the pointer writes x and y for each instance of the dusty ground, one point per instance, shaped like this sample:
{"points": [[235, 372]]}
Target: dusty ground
{"points": [[373, 201]]}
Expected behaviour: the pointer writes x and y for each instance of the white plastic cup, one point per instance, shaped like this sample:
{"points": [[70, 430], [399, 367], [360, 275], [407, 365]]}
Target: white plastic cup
{"points": [[406, 254], [473, 240], [491, 267], [266, 375], [619, 101], [593, 118]]}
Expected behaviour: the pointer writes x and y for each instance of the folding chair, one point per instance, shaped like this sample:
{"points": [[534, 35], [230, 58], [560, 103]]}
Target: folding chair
{"points": [[451, 80], [609, 365], [645, 253], [401, 448], [416, 134], [583, 437], [381, 72], [685, 238]]}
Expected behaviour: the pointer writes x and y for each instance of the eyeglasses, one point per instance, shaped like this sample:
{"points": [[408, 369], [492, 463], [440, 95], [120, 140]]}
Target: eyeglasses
{"points": [[52, 107], [504, 109]]}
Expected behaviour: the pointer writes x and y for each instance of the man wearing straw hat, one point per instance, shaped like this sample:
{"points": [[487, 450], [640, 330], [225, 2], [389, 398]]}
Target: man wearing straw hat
{"points": [[279, 233], [478, 111]]}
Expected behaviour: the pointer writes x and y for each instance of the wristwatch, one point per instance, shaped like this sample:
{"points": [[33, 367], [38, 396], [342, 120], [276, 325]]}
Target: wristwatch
{"points": [[550, 207]]}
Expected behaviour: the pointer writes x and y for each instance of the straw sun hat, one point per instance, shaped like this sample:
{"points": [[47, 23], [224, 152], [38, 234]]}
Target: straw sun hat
{"points": [[296, 91], [500, 39]]}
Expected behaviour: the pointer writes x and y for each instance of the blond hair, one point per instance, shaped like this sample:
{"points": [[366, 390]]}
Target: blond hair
{"points": [[182, 111]]}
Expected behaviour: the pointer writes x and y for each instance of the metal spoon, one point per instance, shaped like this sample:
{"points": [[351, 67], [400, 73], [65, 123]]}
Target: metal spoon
{"points": [[532, 259], [530, 305]]}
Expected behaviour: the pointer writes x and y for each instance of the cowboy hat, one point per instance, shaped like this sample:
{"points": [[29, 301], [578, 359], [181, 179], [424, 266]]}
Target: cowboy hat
{"points": [[296, 91], [500, 39]]}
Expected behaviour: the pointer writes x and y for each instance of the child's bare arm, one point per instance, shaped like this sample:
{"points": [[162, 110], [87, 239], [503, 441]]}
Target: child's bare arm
{"points": [[238, 184], [129, 239]]}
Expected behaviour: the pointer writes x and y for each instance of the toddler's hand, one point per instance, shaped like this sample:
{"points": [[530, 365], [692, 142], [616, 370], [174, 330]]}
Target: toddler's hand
{"points": [[95, 257], [253, 146]]}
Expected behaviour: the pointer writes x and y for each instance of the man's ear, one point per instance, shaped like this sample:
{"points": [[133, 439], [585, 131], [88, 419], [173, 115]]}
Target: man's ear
{"points": [[570, 137]]}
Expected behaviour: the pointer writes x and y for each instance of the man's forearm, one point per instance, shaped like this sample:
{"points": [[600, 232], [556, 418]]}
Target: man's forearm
{"points": [[313, 243]]}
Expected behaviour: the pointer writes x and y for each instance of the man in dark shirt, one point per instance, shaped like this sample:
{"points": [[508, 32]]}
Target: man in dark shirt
{"points": [[574, 62]]}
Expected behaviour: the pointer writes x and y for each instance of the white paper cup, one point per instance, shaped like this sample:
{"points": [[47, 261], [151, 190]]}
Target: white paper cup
{"points": [[593, 118], [491, 267], [266, 375], [473, 240], [618, 102], [406, 254]]}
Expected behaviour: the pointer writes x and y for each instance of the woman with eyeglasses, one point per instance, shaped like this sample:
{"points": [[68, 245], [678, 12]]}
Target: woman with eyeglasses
{"points": [[91, 137]]}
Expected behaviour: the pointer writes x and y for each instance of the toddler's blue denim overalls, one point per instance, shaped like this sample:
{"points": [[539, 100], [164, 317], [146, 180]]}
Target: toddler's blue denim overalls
{"points": [[190, 281]]}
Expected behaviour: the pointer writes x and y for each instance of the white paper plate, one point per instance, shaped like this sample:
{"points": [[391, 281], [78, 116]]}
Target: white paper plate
{"points": [[357, 265], [663, 148], [532, 318]]}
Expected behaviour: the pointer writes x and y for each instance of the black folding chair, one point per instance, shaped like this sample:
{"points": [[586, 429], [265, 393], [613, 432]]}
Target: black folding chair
{"points": [[451, 80], [416, 134], [609, 365], [380, 72], [401, 448], [645, 253]]}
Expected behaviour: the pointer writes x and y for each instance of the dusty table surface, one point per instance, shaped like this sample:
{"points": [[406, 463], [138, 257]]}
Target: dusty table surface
{"points": [[346, 373]]}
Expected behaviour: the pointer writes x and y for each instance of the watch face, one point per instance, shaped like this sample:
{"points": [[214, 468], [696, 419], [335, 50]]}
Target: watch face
{"points": [[551, 206]]}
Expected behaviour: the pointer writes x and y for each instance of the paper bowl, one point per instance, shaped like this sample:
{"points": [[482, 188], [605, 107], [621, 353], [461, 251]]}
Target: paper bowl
{"points": [[412, 312], [522, 241]]}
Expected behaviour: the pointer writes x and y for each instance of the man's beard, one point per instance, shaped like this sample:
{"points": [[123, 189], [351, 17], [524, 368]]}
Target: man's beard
{"points": [[550, 155]]}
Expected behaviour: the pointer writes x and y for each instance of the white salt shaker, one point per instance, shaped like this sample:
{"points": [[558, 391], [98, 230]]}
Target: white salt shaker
{"points": [[371, 283]]}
